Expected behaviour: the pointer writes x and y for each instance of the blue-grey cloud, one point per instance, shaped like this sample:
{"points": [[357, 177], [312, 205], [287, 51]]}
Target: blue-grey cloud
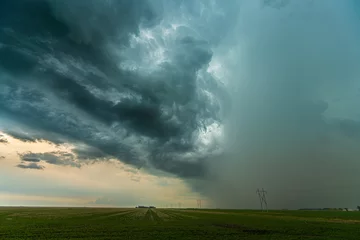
{"points": [[21, 136], [55, 158], [30, 166], [30, 158], [90, 153], [66, 78]]}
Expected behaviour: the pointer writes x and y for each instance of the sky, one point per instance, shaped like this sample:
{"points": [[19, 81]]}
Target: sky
{"points": [[154, 102], [100, 184]]}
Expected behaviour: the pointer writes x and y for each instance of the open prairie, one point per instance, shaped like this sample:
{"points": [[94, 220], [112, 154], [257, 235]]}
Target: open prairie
{"points": [[126, 223]]}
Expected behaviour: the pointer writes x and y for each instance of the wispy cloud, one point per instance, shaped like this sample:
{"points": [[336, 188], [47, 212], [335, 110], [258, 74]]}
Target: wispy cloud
{"points": [[55, 158], [3, 139], [30, 166]]}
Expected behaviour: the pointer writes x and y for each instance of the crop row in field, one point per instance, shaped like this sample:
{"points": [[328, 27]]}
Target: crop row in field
{"points": [[169, 214]]}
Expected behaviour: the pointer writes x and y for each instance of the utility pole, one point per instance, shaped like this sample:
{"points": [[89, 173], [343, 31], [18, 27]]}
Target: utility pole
{"points": [[262, 197]]}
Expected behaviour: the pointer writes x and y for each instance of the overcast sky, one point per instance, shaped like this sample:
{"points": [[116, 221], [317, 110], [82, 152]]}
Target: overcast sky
{"points": [[119, 102]]}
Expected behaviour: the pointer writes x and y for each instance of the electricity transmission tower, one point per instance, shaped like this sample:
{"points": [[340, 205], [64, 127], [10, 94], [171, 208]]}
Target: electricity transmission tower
{"points": [[262, 197], [198, 203]]}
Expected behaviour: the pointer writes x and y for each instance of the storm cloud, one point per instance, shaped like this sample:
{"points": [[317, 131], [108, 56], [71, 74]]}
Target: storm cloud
{"points": [[55, 158], [229, 95], [114, 83]]}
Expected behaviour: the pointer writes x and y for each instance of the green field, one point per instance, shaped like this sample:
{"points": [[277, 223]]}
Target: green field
{"points": [[96, 223]]}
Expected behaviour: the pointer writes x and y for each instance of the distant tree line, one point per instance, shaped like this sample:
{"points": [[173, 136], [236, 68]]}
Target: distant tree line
{"points": [[328, 209]]}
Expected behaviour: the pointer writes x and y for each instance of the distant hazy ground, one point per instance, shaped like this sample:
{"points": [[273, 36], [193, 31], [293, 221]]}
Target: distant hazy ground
{"points": [[91, 223]]}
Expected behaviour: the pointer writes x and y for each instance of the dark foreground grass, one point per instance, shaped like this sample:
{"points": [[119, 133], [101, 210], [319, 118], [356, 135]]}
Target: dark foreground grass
{"points": [[91, 223]]}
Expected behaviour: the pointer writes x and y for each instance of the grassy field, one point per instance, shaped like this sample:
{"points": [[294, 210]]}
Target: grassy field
{"points": [[92, 223]]}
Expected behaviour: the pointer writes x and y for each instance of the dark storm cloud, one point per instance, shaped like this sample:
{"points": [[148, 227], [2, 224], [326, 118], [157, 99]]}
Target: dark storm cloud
{"points": [[87, 153], [55, 158], [135, 86], [21, 136], [30, 166], [15, 129], [112, 19], [66, 78]]}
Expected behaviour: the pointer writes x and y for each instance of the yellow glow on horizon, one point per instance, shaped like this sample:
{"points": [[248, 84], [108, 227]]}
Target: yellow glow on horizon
{"points": [[101, 179]]}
